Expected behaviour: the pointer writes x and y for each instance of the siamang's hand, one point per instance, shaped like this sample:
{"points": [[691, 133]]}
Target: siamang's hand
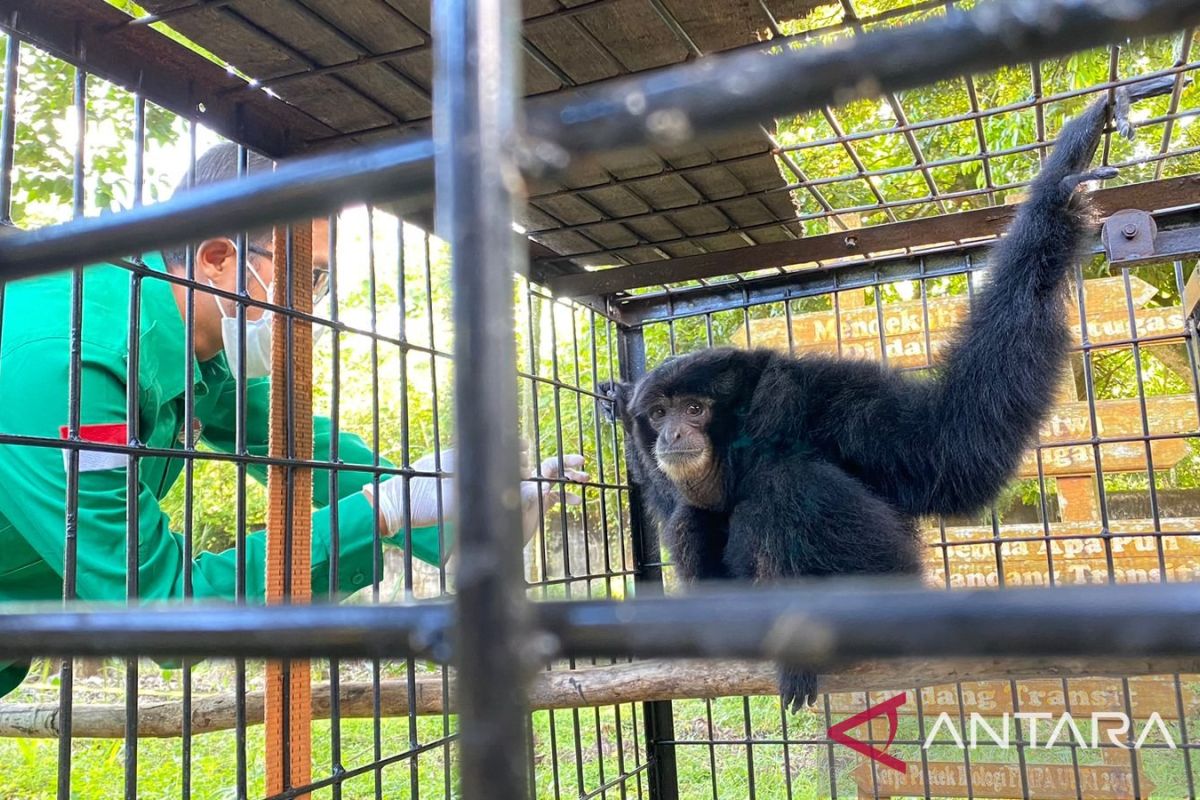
{"points": [[611, 402], [797, 688]]}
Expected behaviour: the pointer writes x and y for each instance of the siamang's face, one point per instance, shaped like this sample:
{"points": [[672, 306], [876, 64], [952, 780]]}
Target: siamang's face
{"points": [[682, 445]]}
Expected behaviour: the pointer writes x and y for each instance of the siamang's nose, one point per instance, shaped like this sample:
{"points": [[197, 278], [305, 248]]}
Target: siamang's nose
{"points": [[676, 434]]}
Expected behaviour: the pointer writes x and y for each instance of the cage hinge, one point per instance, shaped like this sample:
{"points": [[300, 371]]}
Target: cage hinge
{"points": [[1132, 237]]}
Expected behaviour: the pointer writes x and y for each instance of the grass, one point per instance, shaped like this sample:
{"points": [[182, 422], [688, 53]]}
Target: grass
{"points": [[575, 753]]}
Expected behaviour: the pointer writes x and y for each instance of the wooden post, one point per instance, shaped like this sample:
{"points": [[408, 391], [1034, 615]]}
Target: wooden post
{"points": [[1077, 501], [289, 510]]}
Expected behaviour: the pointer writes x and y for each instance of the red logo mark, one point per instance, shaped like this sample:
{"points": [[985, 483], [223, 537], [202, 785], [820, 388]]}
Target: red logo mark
{"points": [[890, 707]]}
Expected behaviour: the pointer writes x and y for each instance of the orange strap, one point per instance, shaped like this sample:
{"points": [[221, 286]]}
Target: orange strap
{"points": [[294, 585]]}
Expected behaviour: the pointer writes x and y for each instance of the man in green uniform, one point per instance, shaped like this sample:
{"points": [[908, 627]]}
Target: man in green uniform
{"points": [[35, 376]]}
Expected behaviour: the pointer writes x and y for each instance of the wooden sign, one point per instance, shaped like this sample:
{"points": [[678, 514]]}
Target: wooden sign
{"points": [[1086, 696], [972, 559], [1071, 422], [1045, 781], [906, 325]]}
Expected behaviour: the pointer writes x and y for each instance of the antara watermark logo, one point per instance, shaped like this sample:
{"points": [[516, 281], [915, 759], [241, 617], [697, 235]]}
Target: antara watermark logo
{"points": [[1107, 729]]}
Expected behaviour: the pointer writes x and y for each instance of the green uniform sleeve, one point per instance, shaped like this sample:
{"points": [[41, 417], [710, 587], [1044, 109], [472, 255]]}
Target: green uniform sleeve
{"points": [[220, 431], [34, 499]]}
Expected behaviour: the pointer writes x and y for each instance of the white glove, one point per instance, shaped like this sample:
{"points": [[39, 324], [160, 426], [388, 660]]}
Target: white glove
{"points": [[549, 490], [423, 492]]}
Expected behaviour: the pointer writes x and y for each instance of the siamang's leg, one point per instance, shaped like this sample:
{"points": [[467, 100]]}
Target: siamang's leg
{"points": [[696, 538], [803, 518]]}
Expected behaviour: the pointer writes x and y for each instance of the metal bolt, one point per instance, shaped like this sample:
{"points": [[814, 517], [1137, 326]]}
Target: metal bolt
{"points": [[1130, 231], [851, 242]]}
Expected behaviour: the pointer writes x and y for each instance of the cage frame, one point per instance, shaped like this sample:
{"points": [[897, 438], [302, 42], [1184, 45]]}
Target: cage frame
{"points": [[317, 185]]}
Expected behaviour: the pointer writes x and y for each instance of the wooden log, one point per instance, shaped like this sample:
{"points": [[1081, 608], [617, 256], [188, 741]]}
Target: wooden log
{"points": [[581, 688]]}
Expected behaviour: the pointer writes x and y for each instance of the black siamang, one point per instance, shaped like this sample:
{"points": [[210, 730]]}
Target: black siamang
{"points": [[757, 465]]}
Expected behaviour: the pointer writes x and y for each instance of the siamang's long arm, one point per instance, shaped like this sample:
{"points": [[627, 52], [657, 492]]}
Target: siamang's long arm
{"points": [[949, 444]]}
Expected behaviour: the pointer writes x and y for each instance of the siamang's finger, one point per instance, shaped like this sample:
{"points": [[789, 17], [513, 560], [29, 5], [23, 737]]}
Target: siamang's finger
{"points": [[1071, 182], [606, 403], [1151, 87]]}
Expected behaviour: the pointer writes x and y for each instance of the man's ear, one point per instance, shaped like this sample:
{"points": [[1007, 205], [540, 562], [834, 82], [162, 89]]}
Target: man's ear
{"points": [[613, 402], [214, 258]]}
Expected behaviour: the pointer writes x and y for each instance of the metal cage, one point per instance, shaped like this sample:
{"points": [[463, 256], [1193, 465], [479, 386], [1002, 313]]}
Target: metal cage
{"points": [[654, 217]]}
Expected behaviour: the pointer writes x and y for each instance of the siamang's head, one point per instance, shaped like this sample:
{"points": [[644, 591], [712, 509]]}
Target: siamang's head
{"points": [[685, 412]]}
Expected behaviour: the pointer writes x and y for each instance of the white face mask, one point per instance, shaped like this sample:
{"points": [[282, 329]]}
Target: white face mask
{"points": [[258, 336]]}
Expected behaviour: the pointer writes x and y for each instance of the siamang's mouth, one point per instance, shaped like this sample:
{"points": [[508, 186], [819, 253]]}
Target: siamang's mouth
{"points": [[677, 456]]}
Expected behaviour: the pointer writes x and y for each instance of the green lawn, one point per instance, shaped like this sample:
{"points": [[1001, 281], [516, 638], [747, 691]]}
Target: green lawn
{"points": [[576, 752]]}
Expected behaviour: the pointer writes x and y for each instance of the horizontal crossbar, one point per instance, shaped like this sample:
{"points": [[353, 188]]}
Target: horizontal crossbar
{"points": [[822, 624], [664, 108]]}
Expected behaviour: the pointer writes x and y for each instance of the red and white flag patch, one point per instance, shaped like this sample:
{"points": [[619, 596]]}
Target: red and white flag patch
{"points": [[94, 460]]}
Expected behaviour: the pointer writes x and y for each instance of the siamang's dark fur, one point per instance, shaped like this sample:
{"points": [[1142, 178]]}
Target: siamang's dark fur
{"points": [[825, 464]]}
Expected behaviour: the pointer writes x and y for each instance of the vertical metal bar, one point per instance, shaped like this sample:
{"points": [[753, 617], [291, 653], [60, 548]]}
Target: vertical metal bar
{"points": [[534, 331], [139, 148], [8, 124], [376, 549], [534, 334], [8, 128], [658, 717], [133, 481], [239, 415], [477, 86], [426, 261], [410, 665], [568, 571], [1188, 343], [335, 395], [189, 442], [943, 540], [66, 689]]}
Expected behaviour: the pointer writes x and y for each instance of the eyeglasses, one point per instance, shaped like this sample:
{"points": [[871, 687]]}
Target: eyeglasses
{"points": [[320, 277]]}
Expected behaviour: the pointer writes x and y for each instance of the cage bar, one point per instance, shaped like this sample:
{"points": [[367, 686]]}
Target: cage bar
{"points": [[477, 86], [696, 100]]}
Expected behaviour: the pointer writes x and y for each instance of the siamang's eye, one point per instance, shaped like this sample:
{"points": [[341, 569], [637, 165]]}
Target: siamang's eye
{"points": [[695, 409], [658, 412]]}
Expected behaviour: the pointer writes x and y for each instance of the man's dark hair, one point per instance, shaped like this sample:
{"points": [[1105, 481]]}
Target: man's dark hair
{"points": [[218, 164]]}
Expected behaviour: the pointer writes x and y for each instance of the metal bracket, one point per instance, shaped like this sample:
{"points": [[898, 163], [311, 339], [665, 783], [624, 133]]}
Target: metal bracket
{"points": [[1129, 235], [1132, 237]]}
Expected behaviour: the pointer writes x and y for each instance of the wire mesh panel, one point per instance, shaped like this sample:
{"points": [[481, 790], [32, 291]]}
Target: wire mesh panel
{"points": [[564, 352], [195, 452], [134, 401], [1107, 496]]}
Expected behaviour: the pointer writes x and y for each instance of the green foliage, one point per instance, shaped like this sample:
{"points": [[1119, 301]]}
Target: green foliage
{"points": [[46, 135], [1012, 130]]}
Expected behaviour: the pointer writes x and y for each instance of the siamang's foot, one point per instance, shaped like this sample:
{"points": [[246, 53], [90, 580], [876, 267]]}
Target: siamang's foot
{"points": [[797, 688], [1071, 182]]}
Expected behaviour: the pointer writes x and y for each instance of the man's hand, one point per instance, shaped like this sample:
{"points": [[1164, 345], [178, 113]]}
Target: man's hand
{"points": [[423, 491], [548, 489]]}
